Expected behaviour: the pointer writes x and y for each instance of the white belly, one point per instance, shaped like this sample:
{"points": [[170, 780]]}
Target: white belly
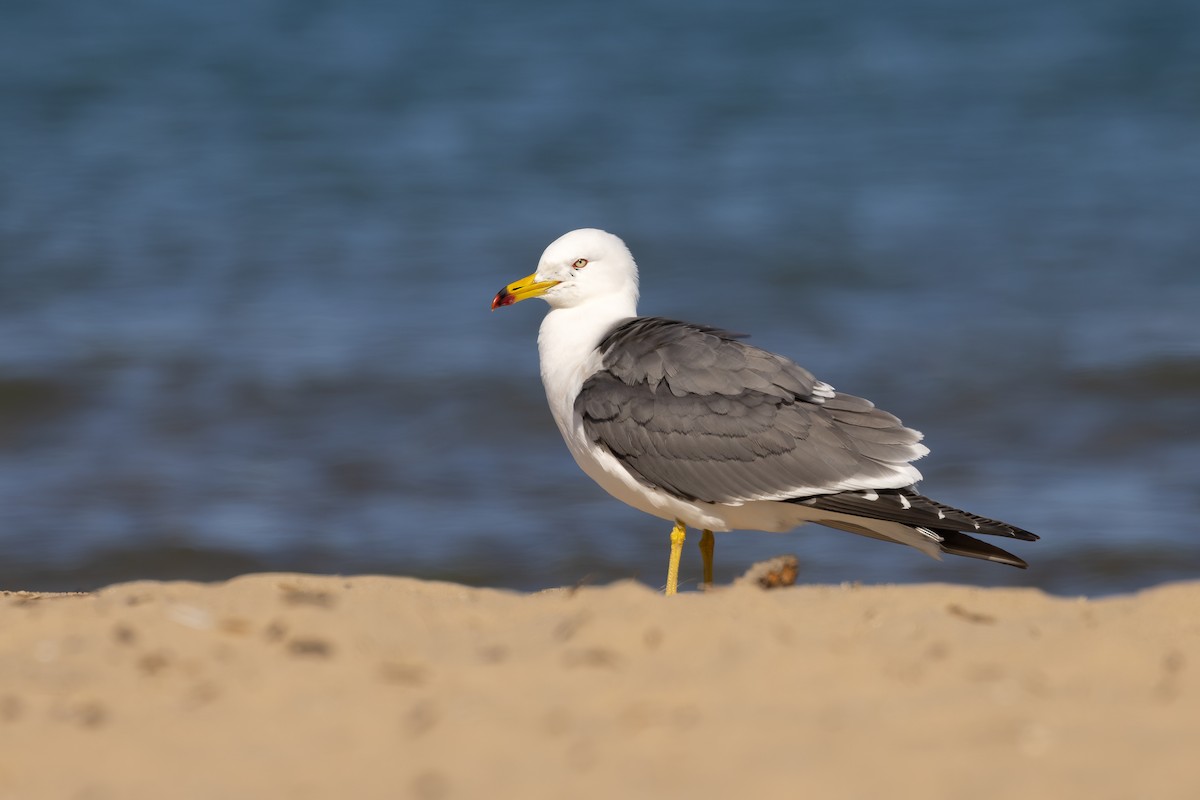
{"points": [[759, 515]]}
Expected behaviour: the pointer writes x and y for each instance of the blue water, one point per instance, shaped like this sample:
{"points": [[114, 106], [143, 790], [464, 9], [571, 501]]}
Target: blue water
{"points": [[247, 250]]}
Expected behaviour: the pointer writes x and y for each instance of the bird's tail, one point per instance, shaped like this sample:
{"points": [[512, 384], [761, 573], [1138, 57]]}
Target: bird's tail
{"points": [[908, 517]]}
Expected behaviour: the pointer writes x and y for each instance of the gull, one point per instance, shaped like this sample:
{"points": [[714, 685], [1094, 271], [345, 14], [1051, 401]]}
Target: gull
{"points": [[691, 424]]}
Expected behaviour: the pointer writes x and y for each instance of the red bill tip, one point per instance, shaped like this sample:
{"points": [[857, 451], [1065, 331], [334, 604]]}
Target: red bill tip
{"points": [[503, 298]]}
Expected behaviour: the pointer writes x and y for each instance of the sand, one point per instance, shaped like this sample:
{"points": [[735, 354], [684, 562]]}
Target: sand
{"points": [[297, 686]]}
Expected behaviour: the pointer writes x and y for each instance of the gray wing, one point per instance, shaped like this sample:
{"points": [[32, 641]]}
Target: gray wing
{"points": [[695, 412]]}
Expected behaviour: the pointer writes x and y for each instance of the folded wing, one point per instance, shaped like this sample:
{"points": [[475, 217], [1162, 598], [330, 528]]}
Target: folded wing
{"points": [[697, 413]]}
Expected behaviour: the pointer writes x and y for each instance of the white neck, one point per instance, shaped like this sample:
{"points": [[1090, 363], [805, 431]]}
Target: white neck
{"points": [[567, 342]]}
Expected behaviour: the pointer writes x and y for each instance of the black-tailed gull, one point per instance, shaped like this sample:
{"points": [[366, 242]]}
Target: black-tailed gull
{"points": [[691, 424]]}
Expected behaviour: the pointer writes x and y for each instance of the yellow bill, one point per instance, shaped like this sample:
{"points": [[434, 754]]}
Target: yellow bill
{"points": [[527, 287]]}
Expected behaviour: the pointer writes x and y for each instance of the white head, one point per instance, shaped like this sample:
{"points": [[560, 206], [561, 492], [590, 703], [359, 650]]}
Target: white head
{"points": [[579, 266]]}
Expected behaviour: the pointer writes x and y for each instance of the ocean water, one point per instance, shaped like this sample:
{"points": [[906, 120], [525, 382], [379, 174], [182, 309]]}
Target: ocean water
{"points": [[247, 252]]}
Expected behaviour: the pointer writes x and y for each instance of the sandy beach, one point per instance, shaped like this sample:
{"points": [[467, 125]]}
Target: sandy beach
{"points": [[297, 686]]}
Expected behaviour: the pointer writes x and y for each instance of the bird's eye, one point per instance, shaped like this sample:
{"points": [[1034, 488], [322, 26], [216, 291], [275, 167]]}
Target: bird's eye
{"points": [[580, 263]]}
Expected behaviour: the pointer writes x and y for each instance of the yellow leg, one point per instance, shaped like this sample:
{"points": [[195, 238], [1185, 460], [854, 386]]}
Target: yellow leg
{"points": [[677, 536], [707, 545]]}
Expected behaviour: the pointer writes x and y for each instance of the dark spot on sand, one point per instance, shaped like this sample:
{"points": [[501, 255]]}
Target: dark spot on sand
{"points": [[592, 657], [91, 715], [10, 708], [421, 718], [493, 653], [975, 617], [154, 662], [295, 596], [403, 672], [315, 648], [569, 626], [275, 631], [652, 638], [430, 785]]}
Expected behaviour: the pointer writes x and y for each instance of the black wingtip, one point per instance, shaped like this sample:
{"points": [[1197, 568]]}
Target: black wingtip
{"points": [[1023, 535], [959, 544]]}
